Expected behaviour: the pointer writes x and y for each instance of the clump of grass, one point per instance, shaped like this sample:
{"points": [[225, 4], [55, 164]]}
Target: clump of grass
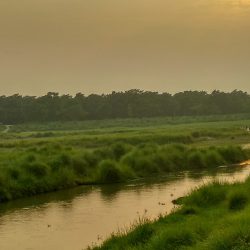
{"points": [[196, 159], [119, 149], [14, 173], [37, 169], [109, 172], [173, 238], [189, 210], [30, 157], [213, 158], [4, 192], [80, 166], [237, 200], [232, 154], [60, 161], [235, 236], [208, 195]]}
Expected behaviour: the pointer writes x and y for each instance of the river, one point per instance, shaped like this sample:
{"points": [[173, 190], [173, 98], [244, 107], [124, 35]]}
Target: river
{"points": [[75, 218]]}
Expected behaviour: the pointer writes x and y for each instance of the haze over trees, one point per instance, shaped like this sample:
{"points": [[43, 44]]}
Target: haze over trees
{"points": [[129, 104]]}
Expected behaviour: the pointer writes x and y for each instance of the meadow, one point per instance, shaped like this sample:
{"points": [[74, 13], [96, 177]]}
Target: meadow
{"points": [[38, 158]]}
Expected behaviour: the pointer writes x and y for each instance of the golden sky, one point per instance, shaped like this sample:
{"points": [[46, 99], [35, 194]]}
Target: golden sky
{"points": [[98, 46]]}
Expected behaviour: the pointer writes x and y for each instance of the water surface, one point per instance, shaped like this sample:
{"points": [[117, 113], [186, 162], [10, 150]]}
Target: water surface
{"points": [[74, 219]]}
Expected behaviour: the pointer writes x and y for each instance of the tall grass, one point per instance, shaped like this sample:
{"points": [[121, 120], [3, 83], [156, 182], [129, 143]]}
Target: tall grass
{"points": [[53, 167], [49, 159]]}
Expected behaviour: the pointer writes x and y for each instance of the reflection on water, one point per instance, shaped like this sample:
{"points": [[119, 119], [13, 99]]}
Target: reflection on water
{"points": [[75, 218]]}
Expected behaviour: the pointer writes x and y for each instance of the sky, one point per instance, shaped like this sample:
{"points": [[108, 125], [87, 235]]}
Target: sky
{"points": [[99, 46]]}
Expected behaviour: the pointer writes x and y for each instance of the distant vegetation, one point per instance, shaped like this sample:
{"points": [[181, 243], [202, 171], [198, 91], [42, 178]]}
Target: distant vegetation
{"points": [[129, 104], [214, 217]]}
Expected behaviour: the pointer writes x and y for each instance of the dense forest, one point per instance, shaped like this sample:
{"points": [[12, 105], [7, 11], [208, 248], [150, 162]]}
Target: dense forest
{"points": [[132, 103]]}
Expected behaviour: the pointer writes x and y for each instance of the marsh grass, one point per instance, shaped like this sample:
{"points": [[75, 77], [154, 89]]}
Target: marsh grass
{"points": [[113, 151], [50, 168], [213, 217]]}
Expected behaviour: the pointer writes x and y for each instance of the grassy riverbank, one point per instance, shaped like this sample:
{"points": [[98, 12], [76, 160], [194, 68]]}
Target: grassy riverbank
{"points": [[48, 169], [42, 161], [214, 217]]}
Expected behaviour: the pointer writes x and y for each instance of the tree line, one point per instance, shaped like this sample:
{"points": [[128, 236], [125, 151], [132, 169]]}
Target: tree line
{"points": [[129, 104]]}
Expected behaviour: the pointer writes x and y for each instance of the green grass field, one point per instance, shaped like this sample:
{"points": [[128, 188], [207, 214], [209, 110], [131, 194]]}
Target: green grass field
{"points": [[38, 158]]}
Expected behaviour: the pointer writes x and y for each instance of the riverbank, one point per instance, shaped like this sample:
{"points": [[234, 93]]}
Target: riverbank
{"points": [[39, 162], [34, 172], [213, 217]]}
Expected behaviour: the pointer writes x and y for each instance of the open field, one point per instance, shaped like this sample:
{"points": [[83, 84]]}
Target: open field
{"points": [[42, 160]]}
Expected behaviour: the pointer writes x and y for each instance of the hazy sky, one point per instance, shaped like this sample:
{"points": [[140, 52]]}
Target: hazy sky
{"points": [[98, 46]]}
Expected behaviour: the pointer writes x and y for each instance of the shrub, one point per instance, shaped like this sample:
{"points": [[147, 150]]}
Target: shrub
{"points": [[92, 159], [79, 166], [108, 172], [196, 159], [119, 149], [232, 154], [62, 160], [213, 158]]}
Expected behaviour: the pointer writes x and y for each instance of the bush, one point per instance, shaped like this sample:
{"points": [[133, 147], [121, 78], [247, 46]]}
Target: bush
{"points": [[119, 149], [196, 159], [213, 158], [92, 159], [62, 160], [108, 172], [79, 166], [232, 154]]}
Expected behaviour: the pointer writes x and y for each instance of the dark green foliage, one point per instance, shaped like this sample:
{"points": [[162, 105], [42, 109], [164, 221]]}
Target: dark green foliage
{"points": [[195, 159], [14, 173], [30, 158], [92, 159], [37, 169], [61, 160], [119, 149], [80, 166], [233, 154], [237, 200], [108, 172], [129, 104], [189, 210], [214, 158]]}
